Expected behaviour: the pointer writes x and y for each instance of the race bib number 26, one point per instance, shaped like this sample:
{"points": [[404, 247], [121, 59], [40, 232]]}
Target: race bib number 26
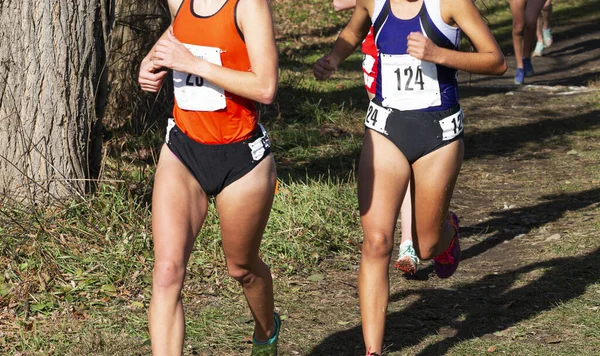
{"points": [[195, 93]]}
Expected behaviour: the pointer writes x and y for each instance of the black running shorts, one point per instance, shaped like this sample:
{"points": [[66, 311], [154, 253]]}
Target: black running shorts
{"points": [[217, 166], [416, 133]]}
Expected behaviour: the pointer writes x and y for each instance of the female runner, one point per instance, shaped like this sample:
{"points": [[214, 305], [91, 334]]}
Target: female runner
{"points": [[414, 127], [407, 261], [223, 57]]}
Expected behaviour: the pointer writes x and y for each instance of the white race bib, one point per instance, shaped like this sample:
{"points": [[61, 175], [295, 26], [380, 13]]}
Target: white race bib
{"points": [[196, 93], [408, 83], [376, 118], [452, 125]]}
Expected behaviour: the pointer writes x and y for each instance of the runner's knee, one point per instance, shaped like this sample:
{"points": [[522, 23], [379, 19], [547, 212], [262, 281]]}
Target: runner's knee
{"points": [[377, 245], [519, 29], [244, 272], [168, 275]]}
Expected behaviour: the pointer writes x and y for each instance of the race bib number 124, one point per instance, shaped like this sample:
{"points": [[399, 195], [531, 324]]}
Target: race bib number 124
{"points": [[408, 83]]}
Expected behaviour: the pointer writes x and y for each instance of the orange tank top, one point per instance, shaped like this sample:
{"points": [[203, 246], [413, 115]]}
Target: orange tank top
{"points": [[238, 119]]}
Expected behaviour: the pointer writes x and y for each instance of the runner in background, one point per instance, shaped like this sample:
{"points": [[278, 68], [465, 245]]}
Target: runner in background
{"points": [[524, 15], [413, 129], [544, 31], [223, 57], [407, 261]]}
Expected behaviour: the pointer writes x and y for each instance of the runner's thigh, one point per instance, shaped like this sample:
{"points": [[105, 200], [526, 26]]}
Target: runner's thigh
{"points": [[533, 9], [244, 207], [178, 209], [434, 177], [383, 177]]}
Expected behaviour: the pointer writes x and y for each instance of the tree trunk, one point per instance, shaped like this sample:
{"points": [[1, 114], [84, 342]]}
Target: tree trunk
{"points": [[138, 24], [52, 96]]}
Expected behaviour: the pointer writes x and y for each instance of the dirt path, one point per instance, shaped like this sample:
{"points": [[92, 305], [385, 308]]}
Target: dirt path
{"points": [[526, 197]]}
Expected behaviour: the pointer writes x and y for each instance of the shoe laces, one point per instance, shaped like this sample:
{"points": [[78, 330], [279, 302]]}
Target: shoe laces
{"points": [[407, 249]]}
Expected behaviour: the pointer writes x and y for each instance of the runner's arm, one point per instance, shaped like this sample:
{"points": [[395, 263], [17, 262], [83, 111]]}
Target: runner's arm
{"points": [[151, 76], [487, 60], [340, 5], [347, 41], [260, 82]]}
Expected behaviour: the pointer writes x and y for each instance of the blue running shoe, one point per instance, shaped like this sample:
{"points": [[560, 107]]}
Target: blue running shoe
{"points": [[527, 67], [519, 76], [269, 347]]}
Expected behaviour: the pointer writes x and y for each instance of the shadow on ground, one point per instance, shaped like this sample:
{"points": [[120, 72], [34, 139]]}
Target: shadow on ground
{"points": [[473, 310]]}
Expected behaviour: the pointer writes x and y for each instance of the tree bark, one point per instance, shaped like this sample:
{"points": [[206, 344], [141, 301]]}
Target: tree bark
{"points": [[138, 24], [52, 96]]}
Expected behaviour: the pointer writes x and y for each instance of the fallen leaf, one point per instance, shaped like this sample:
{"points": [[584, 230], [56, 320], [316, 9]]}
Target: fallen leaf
{"points": [[553, 237], [316, 277], [108, 288], [572, 152], [4, 289], [552, 340], [492, 349], [78, 315]]}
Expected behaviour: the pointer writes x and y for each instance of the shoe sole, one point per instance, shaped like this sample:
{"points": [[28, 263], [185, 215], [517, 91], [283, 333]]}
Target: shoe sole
{"points": [[442, 272], [445, 273], [406, 266]]}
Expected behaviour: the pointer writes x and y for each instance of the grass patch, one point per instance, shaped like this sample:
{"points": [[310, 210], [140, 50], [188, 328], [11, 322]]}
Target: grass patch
{"points": [[76, 277]]}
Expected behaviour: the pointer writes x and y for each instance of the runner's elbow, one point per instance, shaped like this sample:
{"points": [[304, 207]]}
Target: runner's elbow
{"points": [[267, 94], [498, 66], [501, 66], [339, 5]]}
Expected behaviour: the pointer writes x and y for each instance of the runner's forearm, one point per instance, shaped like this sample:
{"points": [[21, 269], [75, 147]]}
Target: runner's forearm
{"points": [[473, 62], [254, 86]]}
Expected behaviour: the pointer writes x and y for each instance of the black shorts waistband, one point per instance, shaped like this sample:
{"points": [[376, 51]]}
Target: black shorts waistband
{"points": [[226, 146], [418, 114]]}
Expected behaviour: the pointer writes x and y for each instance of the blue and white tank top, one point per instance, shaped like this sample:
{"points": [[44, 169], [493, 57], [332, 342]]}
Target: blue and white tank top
{"points": [[404, 82]]}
